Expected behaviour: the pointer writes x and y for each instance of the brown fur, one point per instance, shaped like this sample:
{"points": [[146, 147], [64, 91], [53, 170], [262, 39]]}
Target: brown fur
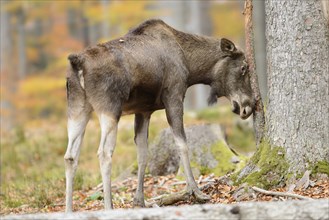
{"points": [[132, 74]]}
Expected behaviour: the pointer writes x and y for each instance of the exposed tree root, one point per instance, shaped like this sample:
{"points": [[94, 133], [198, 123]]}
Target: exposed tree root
{"points": [[174, 198], [280, 193], [165, 200]]}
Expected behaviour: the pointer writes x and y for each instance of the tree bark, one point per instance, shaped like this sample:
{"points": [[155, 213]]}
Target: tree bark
{"points": [[258, 114], [297, 116]]}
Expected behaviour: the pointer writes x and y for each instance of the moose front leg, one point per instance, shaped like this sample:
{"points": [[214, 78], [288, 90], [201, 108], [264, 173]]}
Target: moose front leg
{"points": [[174, 112], [107, 144], [141, 135]]}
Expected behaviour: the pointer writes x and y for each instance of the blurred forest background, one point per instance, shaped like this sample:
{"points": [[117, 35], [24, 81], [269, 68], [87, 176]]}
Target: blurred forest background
{"points": [[36, 38]]}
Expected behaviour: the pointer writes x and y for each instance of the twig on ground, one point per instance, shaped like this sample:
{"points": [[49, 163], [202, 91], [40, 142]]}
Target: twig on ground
{"points": [[159, 197], [151, 204], [162, 182], [210, 183], [178, 183], [280, 193], [99, 187], [122, 200], [53, 205], [184, 182], [200, 179]]}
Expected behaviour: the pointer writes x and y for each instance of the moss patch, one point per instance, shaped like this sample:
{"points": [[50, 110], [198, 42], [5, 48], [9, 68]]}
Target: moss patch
{"points": [[270, 167], [223, 155], [321, 167]]}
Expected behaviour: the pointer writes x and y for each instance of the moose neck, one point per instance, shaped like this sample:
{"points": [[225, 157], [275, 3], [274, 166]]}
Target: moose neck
{"points": [[201, 54]]}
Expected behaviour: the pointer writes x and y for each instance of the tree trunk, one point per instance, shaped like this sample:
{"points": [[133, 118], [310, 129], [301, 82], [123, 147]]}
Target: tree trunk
{"points": [[297, 116], [84, 25], [298, 67], [199, 22], [258, 113], [105, 22], [260, 46]]}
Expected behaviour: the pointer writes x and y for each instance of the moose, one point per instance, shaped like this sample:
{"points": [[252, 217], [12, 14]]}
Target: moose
{"points": [[148, 69]]}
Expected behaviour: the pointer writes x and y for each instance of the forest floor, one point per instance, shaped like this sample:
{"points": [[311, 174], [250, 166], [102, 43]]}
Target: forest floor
{"points": [[219, 188], [32, 168]]}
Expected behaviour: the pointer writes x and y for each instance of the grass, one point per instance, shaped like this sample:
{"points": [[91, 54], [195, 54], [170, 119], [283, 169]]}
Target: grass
{"points": [[32, 164]]}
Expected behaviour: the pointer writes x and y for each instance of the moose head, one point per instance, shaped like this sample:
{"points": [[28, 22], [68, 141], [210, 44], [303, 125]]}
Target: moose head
{"points": [[232, 80]]}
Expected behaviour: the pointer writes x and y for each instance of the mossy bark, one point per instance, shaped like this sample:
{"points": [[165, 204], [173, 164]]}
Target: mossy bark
{"points": [[321, 167], [267, 167]]}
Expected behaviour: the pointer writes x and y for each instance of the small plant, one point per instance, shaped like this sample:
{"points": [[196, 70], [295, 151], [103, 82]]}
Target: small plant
{"points": [[8, 199], [41, 196], [95, 196], [78, 181]]}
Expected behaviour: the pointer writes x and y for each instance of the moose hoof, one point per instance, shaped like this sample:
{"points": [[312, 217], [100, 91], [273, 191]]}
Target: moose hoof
{"points": [[138, 203], [201, 197]]}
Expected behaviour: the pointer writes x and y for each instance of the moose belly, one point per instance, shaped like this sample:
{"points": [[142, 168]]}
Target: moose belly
{"points": [[142, 101]]}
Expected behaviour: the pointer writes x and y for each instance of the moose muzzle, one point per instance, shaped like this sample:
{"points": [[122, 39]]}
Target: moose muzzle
{"points": [[243, 109]]}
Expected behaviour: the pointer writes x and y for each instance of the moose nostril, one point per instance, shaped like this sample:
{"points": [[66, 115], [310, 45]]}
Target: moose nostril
{"points": [[236, 107], [244, 111]]}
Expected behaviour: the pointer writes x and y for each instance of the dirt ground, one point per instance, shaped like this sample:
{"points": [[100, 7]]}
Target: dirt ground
{"points": [[220, 189]]}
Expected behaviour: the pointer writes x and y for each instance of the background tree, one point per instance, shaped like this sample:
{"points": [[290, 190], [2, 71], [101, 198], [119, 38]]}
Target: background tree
{"points": [[260, 45], [297, 116], [7, 80]]}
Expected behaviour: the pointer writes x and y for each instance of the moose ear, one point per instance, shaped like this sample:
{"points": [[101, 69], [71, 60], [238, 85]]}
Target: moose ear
{"points": [[227, 45]]}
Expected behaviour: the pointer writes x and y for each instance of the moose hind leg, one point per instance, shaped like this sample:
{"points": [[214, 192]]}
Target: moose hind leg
{"points": [[76, 129], [109, 126], [141, 135], [174, 112]]}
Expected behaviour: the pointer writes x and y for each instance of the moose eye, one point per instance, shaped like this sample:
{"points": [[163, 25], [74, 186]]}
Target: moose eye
{"points": [[243, 70]]}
